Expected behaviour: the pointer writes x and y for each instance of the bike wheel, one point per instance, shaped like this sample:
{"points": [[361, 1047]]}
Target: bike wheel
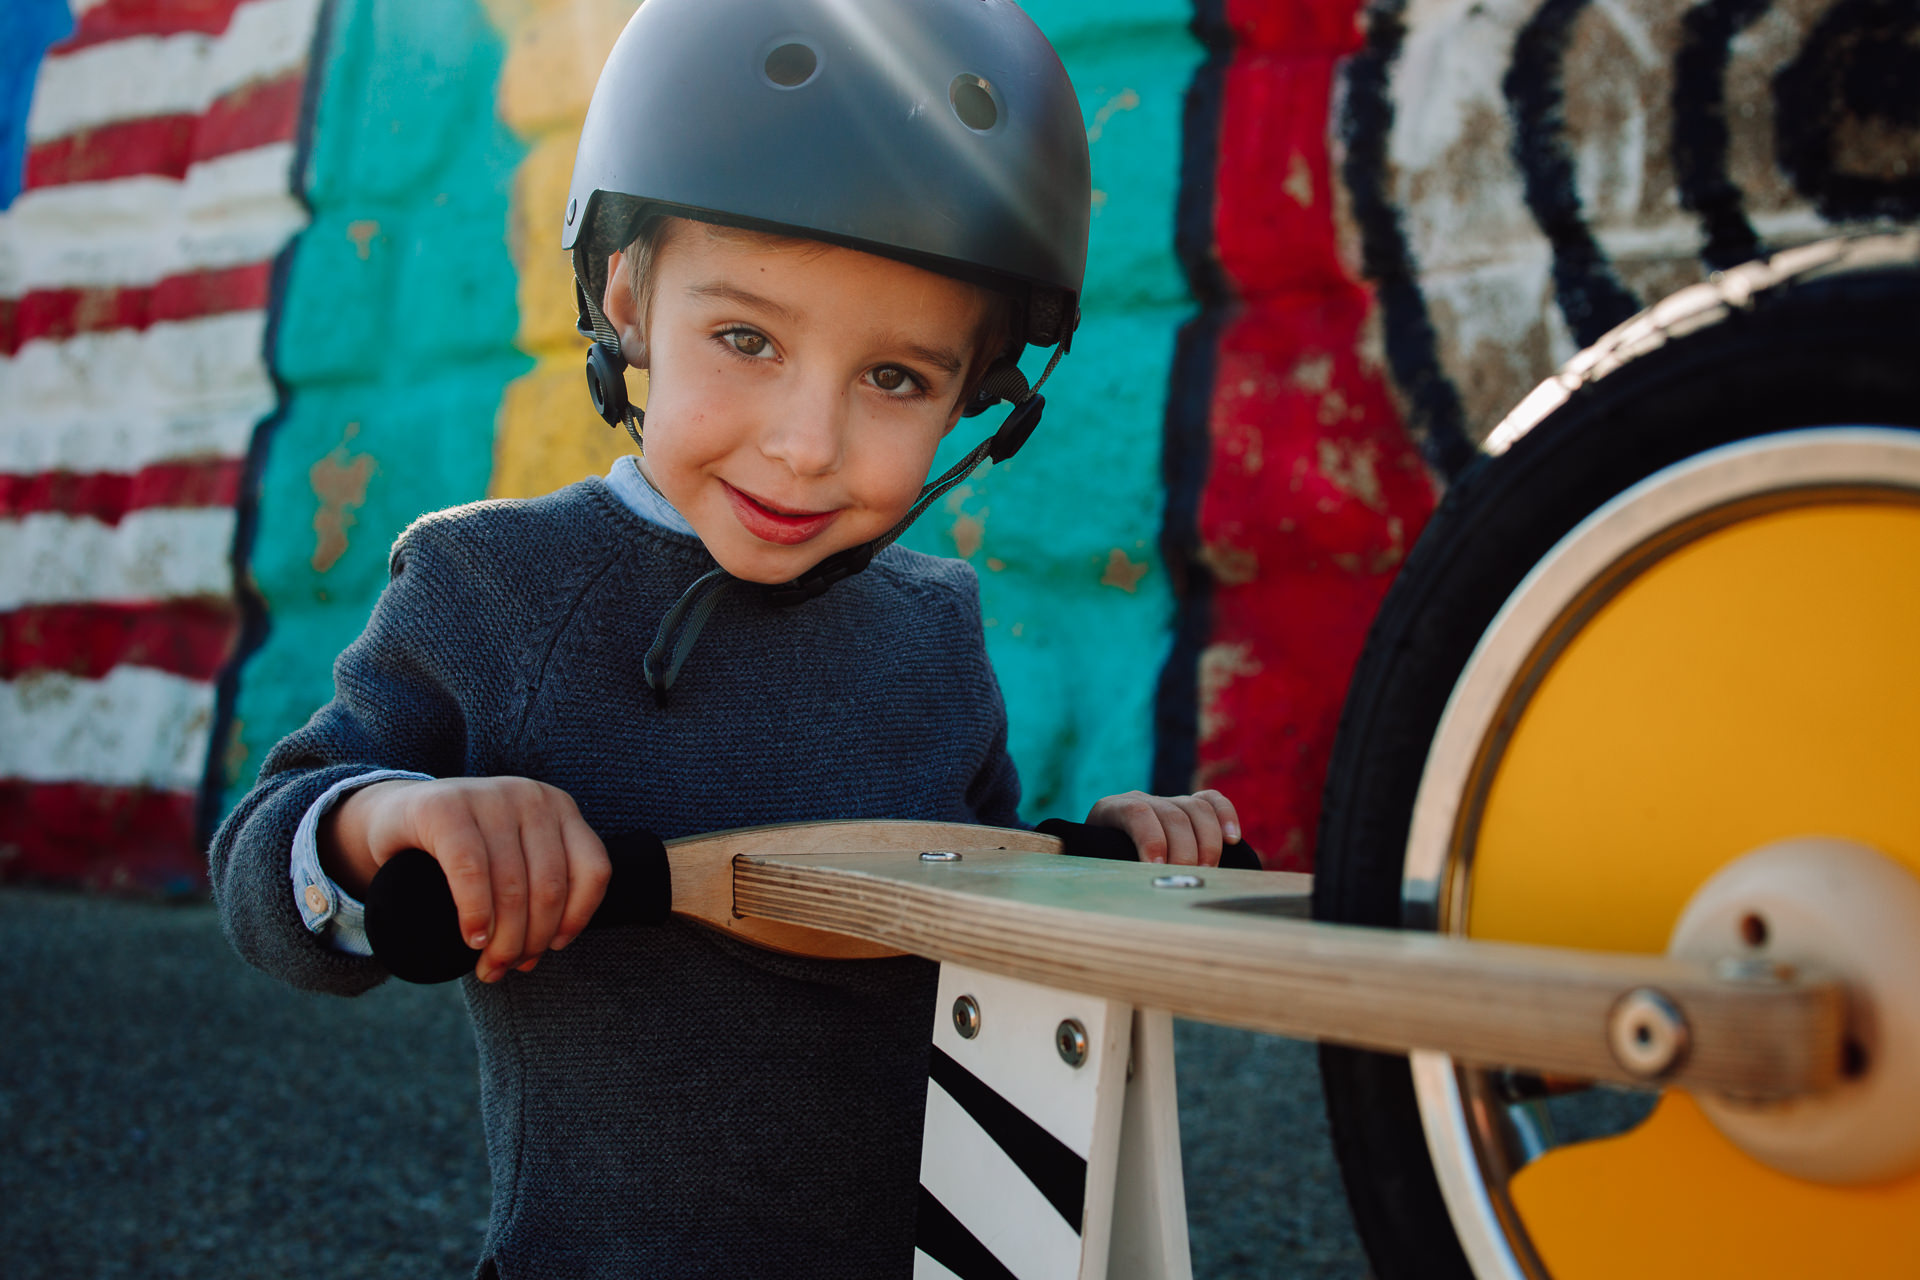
{"points": [[1667, 620]]}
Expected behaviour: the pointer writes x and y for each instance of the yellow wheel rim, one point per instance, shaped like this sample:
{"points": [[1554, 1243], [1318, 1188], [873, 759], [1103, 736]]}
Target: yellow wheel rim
{"points": [[1750, 675]]}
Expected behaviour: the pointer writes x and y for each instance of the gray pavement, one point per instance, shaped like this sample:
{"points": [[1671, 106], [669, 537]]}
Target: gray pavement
{"points": [[166, 1111]]}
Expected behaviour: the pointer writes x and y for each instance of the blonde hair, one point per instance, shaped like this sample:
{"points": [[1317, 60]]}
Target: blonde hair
{"points": [[636, 269]]}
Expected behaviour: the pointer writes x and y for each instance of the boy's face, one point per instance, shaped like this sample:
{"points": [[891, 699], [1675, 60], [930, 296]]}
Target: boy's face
{"points": [[796, 391]]}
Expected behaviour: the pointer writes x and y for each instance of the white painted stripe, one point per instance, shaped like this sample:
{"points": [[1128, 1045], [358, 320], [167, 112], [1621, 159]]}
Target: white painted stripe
{"points": [[104, 440], [1014, 1054], [135, 727], [210, 364], [925, 1268], [128, 232], [168, 75], [157, 553], [81, 6], [981, 1186]]}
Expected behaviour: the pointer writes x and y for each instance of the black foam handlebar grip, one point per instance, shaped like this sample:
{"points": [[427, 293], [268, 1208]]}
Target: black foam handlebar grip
{"points": [[1079, 840], [414, 927]]}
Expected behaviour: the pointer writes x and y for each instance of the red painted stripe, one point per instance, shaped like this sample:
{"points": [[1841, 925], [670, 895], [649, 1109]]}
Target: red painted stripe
{"points": [[190, 638], [1315, 494], [1296, 26], [109, 495], [119, 19], [62, 313], [125, 839], [163, 146], [125, 149], [1273, 223], [251, 116]]}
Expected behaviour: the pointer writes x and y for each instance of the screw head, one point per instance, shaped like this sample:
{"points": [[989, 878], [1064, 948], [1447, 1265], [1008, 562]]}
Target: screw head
{"points": [[939, 855], [1070, 1038], [966, 1017], [1647, 1034], [1178, 882]]}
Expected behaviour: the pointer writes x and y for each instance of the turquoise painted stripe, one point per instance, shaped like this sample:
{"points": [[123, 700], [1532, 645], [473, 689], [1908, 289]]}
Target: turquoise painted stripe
{"points": [[1079, 659], [394, 339]]}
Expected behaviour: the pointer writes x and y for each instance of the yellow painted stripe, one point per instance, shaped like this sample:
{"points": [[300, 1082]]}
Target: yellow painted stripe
{"points": [[547, 434]]}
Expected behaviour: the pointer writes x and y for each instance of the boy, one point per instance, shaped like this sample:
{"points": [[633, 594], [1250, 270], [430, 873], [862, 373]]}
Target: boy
{"points": [[819, 285]]}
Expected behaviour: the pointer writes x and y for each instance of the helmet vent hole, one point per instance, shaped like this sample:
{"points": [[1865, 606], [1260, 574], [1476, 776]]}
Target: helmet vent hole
{"points": [[973, 102], [791, 65]]}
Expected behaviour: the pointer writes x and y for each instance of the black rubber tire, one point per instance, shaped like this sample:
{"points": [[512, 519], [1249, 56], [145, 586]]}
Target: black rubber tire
{"points": [[1825, 335]]}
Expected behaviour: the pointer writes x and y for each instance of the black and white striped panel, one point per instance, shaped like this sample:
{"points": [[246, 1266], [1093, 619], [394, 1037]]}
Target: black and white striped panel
{"points": [[1017, 1164]]}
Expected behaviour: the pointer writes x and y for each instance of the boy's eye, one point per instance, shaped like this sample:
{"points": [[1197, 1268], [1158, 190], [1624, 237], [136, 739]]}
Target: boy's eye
{"points": [[891, 377], [746, 341]]}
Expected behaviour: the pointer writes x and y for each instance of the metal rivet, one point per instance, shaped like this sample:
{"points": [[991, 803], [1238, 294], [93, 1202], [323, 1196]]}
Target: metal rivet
{"points": [[939, 855], [966, 1017], [1647, 1034], [573, 210], [1178, 882], [1070, 1038]]}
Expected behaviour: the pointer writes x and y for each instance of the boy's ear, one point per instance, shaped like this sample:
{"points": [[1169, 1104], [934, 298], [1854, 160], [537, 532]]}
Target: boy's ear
{"points": [[623, 315]]}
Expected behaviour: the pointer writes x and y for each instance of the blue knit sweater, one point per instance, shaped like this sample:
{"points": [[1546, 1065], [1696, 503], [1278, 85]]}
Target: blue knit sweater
{"points": [[660, 1102]]}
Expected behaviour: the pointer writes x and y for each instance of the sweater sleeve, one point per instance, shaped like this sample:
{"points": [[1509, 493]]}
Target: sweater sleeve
{"points": [[404, 697]]}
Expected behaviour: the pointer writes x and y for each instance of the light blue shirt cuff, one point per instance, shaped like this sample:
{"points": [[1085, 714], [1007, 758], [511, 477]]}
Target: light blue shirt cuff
{"points": [[333, 914]]}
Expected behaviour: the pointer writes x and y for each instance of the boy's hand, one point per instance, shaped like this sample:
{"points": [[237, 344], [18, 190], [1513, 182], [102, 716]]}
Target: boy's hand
{"points": [[526, 870], [1187, 830]]}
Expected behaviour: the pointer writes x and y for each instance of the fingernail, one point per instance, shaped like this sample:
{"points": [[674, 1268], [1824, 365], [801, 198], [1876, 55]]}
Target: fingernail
{"points": [[1157, 857], [490, 975], [526, 966], [477, 941], [560, 943], [1232, 831]]}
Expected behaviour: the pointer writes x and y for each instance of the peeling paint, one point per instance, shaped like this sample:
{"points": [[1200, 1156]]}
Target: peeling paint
{"points": [[1220, 666], [362, 231], [1125, 100], [1299, 183], [1122, 572], [1232, 566], [340, 482], [968, 532], [1352, 469]]}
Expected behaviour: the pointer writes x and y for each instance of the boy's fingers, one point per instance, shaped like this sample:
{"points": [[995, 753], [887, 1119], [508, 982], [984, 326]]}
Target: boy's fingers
{"points": [[587, 874], [1224, 813], [1183, 845], [1134, 814], [1204, 824], [462, 855], [507, 946], [545, 851]]}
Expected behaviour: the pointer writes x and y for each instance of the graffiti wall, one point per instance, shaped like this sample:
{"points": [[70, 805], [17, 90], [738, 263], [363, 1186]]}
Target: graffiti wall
{"points": [[278, 275]]}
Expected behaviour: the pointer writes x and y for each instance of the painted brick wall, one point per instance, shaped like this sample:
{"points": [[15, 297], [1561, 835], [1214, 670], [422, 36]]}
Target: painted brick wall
{"points": [[395, 338]]}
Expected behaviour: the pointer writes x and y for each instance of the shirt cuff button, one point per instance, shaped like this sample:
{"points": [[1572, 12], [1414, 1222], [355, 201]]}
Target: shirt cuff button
{"points": [[316, 900]]}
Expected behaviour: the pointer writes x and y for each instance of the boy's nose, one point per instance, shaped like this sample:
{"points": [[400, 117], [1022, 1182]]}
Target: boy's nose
{"points": [[809, 432]]}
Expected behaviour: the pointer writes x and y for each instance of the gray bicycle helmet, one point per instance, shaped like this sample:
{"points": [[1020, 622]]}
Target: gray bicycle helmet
{"points": [[942, 133]]}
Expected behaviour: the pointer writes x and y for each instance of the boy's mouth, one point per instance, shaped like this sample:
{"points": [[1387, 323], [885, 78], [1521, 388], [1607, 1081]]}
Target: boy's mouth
{"points": [[772, 524]]}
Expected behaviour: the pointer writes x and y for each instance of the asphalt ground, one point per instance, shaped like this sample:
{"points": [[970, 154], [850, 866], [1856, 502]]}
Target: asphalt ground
{"points": [[167, 1111]]}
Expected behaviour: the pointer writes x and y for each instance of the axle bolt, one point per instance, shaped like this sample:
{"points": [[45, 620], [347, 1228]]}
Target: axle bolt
{"points": [[1647, 1034]]}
